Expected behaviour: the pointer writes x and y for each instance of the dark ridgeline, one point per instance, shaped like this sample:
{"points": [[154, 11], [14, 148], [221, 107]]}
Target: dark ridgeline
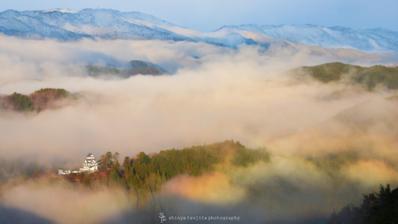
{"points": [[376, 208]]}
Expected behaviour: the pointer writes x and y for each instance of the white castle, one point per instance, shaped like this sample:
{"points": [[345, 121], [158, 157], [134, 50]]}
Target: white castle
{"points": [[90, 165]]}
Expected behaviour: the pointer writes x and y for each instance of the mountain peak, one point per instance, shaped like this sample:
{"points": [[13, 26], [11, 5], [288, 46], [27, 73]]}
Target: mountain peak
{"points": [[62, 10]]}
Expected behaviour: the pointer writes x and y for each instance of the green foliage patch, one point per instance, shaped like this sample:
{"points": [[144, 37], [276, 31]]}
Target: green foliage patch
{"points": [[368, 77], [20, 102]]}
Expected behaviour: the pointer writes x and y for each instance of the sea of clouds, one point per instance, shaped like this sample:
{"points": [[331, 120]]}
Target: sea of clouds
{"points": [[214, 94]]}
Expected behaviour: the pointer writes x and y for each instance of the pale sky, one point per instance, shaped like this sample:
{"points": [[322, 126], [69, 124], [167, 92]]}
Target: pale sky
{"points": [[211, 14]]}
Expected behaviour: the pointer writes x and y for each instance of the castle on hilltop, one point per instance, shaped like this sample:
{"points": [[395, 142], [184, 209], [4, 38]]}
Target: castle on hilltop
{"points": [[90, 165]]}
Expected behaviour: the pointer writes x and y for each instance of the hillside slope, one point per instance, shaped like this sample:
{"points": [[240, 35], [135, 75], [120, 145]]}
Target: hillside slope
{"points": [[368, 77], [37, 101]]}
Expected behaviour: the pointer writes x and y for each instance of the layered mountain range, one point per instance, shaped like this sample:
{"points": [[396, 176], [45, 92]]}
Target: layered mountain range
{"points": [[66, 25]]}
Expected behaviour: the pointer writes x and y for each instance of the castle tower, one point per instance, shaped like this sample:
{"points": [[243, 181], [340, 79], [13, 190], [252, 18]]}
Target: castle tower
{"points": [[89, 164]]}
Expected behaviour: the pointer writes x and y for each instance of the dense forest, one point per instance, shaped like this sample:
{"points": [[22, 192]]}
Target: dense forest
{"points": [[376, 208], [143, 174]]}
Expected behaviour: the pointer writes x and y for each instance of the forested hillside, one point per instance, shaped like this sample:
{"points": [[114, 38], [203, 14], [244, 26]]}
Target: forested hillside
{"points": [[368, 77], [37, 101], [144, 173]]}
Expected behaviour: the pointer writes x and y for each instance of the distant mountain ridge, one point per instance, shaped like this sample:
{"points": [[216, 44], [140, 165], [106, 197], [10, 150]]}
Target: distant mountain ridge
{"points": [[87, 23], [334, 36], [133, 67], [69, 25]]}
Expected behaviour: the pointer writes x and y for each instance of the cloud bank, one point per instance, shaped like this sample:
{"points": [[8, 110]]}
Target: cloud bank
{"points": [[324, 138]]}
